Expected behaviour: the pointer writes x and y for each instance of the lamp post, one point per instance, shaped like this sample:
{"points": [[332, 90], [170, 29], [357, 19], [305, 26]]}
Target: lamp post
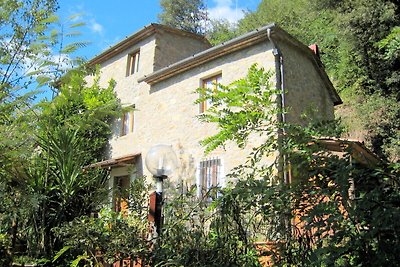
{"points": [[161, 161]]}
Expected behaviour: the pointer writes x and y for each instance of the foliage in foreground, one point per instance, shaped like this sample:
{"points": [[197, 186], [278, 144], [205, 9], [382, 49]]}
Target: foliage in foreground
{"points": [[111, 236], [359, 43], [52, 187], [42, 150], [335, 212]]}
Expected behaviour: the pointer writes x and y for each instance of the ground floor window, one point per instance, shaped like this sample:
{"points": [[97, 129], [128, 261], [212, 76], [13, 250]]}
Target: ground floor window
{"points": [[210, 174]]}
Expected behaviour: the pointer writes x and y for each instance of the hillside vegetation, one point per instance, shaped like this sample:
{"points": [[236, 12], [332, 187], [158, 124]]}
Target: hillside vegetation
{"points": [[360, 49]]}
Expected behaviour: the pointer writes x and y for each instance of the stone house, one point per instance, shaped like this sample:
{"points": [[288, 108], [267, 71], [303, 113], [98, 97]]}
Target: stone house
{"points": [[157, 70]]}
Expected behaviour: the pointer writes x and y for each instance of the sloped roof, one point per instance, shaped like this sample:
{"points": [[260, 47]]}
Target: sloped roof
{"points": [[140, 35], [125, 160], [236, 44], [357, 149]]}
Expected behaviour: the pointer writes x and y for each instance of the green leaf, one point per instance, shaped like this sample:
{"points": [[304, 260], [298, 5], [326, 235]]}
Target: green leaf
{"points": [[76, 262], [51, 19], [76, 25], [42, 80], [60, 253]]}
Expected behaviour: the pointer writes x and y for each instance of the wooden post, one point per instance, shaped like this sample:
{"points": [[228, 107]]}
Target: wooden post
{"points": [[155, 210]]}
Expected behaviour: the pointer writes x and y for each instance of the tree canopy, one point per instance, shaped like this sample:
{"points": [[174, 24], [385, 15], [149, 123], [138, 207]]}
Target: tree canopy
{"points": [[44, 146], [185, 15], [334, 213], [358, 41]]}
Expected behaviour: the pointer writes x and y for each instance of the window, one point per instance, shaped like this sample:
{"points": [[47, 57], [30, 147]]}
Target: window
{"points": [[210, 176], [209, 83], [121, 193], [127, 123], [133, 63]]}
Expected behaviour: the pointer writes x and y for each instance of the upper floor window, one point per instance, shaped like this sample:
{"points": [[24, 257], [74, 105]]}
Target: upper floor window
{"points": [[133, 63], [127, 123], [209, 83], [209, 176]]}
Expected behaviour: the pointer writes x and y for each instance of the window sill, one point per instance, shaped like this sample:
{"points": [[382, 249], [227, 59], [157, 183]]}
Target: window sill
{"points": [[121, 137]]}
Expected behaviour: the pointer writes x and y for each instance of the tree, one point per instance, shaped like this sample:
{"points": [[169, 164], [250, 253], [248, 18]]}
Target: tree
{"points": [[374, 81], [391, 44], [221, 31], [24, 25], [86, 109], [33, 54], [52, 186], [315, 220], [358, 44], [44, 147], [381, 75], [25, 40], [73, 132], [185, 15]]}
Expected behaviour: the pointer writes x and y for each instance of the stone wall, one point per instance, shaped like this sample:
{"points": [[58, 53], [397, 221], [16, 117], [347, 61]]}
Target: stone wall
{"points": [[171, 48], [166, 113], [305, 91]]}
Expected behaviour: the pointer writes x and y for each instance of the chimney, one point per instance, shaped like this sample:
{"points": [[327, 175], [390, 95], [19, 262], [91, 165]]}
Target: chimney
{"points": [[315, 49]]}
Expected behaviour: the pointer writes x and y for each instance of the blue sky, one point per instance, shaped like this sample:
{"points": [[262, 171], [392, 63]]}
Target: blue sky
{"points": [[108, 22]]}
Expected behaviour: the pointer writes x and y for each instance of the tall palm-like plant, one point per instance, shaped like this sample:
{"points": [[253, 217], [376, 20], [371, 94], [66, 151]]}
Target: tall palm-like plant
{"points": [[61, 189]]}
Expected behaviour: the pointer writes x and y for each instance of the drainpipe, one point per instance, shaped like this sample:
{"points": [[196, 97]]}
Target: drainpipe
{"points": [[282, 162]]}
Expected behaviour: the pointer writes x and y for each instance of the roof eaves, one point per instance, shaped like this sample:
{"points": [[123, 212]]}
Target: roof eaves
{"points": [[138, 36], [356, 148], [125, 160], [181, 32], [332, 91], [124, 44], [235, 44], [281, 34]]}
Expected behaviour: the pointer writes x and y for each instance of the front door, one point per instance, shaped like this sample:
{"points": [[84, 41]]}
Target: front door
{"points": [[121, 193]]}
